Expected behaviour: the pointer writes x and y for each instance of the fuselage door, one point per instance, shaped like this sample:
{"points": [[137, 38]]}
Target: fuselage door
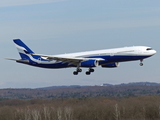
{"points": [[39, 60], [139, 51], [111, 53]]}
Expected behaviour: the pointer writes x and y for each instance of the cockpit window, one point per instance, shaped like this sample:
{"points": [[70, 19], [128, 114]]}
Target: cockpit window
{"points": [[149, 49]]}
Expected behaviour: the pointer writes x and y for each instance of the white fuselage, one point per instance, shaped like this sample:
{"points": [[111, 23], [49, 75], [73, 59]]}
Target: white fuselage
{"points": [[105, 58], [125, 51]]}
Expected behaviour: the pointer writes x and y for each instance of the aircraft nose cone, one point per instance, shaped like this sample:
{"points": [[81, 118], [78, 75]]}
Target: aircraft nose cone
{"points": [[154, 52]]}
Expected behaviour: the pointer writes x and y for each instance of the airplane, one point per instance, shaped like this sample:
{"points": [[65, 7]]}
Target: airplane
{"points": [[107, 58]]}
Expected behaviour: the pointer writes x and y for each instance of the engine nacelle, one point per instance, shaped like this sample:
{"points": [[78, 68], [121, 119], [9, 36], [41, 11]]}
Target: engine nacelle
{"points": [[89, 63], [111, 65]]}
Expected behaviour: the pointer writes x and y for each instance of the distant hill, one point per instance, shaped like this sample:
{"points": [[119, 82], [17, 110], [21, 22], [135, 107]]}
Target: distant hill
{"points": [[105, 84], [139, 83], [54, 87], [76, 91]]}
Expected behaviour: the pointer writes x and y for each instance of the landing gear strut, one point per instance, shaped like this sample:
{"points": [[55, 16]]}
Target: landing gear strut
{"points": [[89, 71], [141, 63]]}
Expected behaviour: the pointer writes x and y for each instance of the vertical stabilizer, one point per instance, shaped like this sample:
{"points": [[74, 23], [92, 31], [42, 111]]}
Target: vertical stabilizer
{"points": [[23, 49]]}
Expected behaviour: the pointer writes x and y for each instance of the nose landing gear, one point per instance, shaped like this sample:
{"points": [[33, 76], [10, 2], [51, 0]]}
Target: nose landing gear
{"points": [[141, 63]]}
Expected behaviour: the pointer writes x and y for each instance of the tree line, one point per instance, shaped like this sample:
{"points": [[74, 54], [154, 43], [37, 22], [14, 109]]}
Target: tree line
{"points": [[97, 108]]}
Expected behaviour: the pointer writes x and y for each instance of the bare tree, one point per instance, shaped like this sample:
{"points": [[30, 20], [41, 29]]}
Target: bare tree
{"points": [[36, 114], [144, 113], [116, 112], [68, 113], [59, 113], [46, 113], [27, 114]]}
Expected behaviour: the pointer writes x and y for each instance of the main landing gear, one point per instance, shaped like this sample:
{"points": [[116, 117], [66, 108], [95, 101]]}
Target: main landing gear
{"points": [[80, 70], [77, 71], [89, 71], [141, 63]]}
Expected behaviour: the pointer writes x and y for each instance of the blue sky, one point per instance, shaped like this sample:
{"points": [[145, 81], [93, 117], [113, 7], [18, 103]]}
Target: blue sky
{"points": [[64, 26]]}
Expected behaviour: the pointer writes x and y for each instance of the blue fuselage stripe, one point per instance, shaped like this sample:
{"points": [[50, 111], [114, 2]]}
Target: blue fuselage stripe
{"points": [[108, 59]]}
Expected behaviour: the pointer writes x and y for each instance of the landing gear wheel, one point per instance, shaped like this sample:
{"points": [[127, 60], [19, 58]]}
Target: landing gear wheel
{"points": [[141, 64], [88, 73], [75, 73]]}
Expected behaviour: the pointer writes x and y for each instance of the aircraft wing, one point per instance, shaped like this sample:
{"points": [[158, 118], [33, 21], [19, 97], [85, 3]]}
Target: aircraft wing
{"points": [[71, 60]]}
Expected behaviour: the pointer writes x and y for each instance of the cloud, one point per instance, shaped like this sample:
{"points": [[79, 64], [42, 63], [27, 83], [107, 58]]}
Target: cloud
{"points": [[6, 3]]}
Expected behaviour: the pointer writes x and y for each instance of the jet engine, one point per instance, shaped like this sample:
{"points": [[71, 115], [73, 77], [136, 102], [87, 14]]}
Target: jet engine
{"points": [[111, 65], [89, 63]]}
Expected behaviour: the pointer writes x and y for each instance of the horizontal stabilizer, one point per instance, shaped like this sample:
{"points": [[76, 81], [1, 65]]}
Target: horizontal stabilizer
{"points": [[23, 61]]}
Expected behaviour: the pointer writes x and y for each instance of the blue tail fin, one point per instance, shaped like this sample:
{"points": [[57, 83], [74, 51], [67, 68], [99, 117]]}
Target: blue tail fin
{"points": [[23, 50]]}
